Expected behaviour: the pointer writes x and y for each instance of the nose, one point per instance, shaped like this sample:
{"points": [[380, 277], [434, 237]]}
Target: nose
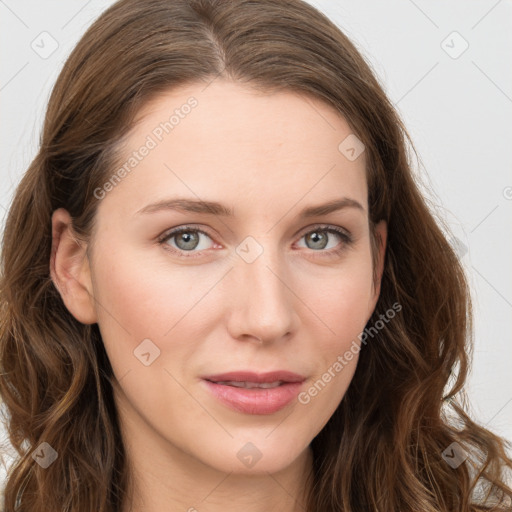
{"points": [[263, 305]]}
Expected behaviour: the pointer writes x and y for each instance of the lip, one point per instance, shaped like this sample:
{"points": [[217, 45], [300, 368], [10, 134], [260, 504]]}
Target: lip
{"points": [[255, 401], [246, 376]]}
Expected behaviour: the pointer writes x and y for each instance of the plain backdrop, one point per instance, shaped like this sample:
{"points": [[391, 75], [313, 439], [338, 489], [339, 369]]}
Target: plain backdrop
{"points": [[447, 66]]}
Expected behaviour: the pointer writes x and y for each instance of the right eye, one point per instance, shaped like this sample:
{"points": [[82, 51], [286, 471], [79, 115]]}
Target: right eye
{"points": [[186, 239]]}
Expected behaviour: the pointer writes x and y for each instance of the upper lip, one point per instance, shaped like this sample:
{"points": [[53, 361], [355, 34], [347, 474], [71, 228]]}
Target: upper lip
{"points": [[245, 376]]}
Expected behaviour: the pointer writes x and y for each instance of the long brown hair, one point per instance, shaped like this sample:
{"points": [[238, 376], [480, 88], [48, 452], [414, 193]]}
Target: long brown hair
{"points": [[383, 448]]}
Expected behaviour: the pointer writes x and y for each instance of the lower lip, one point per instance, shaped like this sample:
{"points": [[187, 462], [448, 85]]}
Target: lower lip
{"points": [[255, 400]]}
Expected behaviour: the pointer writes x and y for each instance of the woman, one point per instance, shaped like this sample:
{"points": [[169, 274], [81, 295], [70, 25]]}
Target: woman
{"points": [[221, 287]]}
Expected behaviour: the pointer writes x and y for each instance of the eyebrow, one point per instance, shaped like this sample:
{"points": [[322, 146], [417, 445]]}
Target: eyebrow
{"points": [[214, 208]]}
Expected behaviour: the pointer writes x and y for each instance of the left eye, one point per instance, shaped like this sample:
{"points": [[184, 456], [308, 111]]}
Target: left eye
{"points": [[187, 239], [319, 237]]}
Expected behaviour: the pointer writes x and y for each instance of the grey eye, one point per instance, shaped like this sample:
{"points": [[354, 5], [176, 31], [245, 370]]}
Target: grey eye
{"points": [[187, 240], [319, 239]]}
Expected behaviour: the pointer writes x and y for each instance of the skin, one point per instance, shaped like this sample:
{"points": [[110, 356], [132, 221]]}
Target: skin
{"points": [[293, 308]]}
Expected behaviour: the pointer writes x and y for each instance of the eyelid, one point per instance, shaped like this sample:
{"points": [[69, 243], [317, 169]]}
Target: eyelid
{"points": [[323, 226]]}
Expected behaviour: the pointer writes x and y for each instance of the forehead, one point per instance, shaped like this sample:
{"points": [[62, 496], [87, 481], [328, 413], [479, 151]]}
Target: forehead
{"points": [[231, 142], [243, 113]]}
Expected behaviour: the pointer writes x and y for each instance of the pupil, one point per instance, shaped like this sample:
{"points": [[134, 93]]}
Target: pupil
{"points": [[187, 240], [318, 238]]}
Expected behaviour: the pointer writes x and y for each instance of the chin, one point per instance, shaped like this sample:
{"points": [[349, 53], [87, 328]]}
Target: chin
{"points": [[254, 455]]}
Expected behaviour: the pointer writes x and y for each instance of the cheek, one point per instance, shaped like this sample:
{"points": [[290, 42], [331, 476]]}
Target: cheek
{"points": [[139, 300], [131, 305], [343, 300], [342, 306], [139, 293]]}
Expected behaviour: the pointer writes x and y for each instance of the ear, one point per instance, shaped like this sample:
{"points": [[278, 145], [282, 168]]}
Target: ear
{"points": [[381, 234], [69, 269]]}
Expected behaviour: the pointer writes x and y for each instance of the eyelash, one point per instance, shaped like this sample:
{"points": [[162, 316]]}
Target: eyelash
{"points": [[345, 237]]}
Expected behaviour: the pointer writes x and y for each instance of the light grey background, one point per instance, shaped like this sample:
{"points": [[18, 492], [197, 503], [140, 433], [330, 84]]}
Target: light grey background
{"points": [[456, 104]]}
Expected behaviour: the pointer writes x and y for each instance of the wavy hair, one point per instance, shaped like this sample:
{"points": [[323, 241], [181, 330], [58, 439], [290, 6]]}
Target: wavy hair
{"points": [[382, 448]]}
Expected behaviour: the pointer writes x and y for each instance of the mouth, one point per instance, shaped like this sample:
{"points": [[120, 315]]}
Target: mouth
{"points": [[253, 393], [250, 385]]}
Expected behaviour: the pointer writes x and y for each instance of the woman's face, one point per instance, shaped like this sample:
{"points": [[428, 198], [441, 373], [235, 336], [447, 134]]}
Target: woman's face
{"points": [[266, 288]]}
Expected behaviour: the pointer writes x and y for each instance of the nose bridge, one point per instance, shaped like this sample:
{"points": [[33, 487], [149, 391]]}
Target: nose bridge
{"points": [[263, 305]]}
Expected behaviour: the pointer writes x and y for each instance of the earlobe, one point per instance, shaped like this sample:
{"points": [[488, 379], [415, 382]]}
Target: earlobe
{"points": [[69, 269]]}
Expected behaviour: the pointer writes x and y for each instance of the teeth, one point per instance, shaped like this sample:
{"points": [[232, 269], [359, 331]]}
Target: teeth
{"points": [[250, 385]]}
